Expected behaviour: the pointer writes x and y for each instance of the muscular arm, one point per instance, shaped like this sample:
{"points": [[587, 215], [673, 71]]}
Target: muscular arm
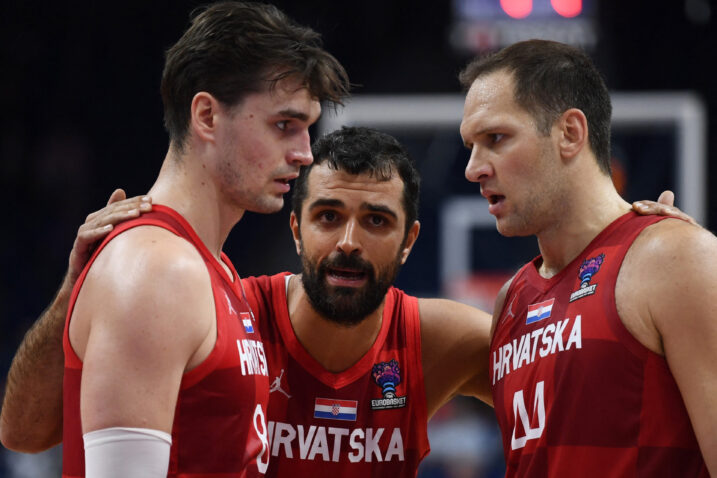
{"points": [[31, 419], [143, 317], [31, 416], [666, 294], [454, 342]]}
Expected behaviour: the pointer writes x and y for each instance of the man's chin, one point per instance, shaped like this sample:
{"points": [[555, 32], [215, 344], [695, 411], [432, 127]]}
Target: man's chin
{"points": [[344, 290], [269, 205], [508, 228]]}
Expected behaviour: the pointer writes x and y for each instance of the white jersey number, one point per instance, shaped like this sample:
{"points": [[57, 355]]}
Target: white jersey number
{"points": [[260, 427], [521, 413]]}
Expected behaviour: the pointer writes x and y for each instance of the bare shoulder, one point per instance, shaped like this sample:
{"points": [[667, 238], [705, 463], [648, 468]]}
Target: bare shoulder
{"points": [[146, 280], [671, 267], [675, 237], [150, 262], [669, 252], [449, 316]]}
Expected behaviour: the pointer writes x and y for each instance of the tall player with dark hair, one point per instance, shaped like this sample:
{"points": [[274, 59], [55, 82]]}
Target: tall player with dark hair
{"points": [[602, 359], [164, 372]]}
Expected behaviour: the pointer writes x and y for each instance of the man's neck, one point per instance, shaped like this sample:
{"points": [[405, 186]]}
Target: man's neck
{"points": [[185, 185], [336, 347], [591, 210]]}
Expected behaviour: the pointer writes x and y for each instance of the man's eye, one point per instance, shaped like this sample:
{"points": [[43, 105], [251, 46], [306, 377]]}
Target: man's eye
{"points": [[282, 125], [496, 137], [327, 216], [377, 220]]}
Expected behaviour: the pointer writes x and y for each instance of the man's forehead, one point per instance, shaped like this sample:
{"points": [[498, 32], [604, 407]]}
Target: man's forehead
{"points": [[324, 179], [490, 88], [286, 95], [489, 97]]}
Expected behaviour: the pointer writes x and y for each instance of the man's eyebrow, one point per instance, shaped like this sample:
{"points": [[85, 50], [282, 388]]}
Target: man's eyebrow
{"points": [[379, 208], [292, 113], [326, 203]]}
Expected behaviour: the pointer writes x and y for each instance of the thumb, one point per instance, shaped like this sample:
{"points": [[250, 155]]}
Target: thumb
{"points": [[667, 197], [119, 195]]}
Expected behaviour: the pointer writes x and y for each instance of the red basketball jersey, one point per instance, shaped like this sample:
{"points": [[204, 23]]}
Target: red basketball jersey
{"points": [[367, 421], [574, 392], [219, 425]]}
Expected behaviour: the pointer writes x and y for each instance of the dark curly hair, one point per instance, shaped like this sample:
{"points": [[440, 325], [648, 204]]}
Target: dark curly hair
{"points": [[363, 151]]}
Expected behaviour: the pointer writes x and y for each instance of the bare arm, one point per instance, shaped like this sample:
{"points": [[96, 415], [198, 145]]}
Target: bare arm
{"points": [[670, 285], [454, 343], [144, 316], [31, 416]]}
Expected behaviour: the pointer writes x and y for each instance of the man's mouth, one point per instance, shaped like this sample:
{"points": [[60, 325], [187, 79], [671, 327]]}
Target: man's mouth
{"points": [[495, 198], [345, 277], [347, 273]]}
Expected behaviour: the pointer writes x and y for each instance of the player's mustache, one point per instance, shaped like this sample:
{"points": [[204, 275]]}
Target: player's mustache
{"points": [[344, 261]]}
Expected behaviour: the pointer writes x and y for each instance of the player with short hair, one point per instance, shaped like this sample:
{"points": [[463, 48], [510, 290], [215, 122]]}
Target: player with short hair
{"points": [[602, 353], [164, 372]]}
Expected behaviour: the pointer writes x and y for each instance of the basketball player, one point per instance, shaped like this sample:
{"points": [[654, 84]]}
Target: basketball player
{"points": [[602, 359], [357, 366], [360, 366], [158, 330]]}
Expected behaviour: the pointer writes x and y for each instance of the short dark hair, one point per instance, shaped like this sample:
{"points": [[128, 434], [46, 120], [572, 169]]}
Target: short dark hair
{"points": [[232, 49], [551, 78], [359, 150]]}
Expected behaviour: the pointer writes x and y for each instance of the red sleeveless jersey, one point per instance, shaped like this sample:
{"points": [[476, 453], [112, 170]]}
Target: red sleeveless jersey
{"points": [[367, 421], [574, 392], [219, 427]]}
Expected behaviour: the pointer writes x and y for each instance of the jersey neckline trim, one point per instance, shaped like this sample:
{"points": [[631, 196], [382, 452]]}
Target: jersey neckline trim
{"points": [[334, 380]]}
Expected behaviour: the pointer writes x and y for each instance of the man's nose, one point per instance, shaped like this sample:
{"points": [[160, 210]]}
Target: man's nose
{"points": [[477, 168]]}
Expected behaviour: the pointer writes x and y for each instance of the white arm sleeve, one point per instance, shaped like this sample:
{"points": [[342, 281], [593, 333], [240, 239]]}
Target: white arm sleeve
{"points": [[121, 452]]}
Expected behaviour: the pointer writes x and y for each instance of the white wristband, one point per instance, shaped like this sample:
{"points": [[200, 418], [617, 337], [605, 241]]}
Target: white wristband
{"points": [[121, 452]]}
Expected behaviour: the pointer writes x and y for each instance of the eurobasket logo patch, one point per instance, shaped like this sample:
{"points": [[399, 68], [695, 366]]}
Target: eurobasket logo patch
{"points": [[334, 409], [539, 311], [587, 270], [245, 318], [387, 375]]}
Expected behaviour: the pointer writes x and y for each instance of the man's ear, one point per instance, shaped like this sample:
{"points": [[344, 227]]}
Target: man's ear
{"points": [[410, 241], [573, 130], [294, 225], [204, 112]]}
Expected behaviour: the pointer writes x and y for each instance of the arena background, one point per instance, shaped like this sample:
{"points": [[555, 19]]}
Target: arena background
{"points": [[81, 115]]}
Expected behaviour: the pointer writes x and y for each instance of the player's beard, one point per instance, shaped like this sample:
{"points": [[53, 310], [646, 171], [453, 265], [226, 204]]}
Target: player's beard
{"points": [[346, 305]]}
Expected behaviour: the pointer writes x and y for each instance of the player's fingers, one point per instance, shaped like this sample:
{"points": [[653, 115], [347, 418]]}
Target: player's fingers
{"points": [[123, 205], [88, 237], [117, 195], [667, 197], [651, 207], [115, 217]]}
